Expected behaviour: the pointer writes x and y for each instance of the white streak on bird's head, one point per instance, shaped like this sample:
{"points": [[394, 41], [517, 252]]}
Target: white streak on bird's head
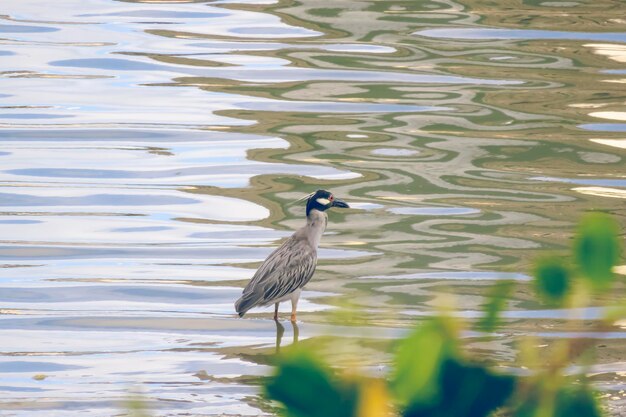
{"points": [[323, 201]]}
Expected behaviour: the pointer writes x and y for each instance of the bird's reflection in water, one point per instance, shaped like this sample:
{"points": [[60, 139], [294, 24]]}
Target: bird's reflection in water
{"points": [[280, 330]]}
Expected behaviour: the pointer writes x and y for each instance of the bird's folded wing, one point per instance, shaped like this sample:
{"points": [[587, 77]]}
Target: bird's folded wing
{"points": [[288, 268]]}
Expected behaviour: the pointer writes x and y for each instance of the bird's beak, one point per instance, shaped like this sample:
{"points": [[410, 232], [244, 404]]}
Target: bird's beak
{"points": [[339, 203]]}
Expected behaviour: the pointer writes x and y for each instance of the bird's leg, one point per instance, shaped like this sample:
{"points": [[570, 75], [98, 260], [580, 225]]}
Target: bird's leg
{"points": [[294, 305], [276, 311], [296, 332], [279, 335]]}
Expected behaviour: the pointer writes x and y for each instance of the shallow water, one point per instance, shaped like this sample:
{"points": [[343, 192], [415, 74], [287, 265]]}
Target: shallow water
{"points": [[150, 152]]}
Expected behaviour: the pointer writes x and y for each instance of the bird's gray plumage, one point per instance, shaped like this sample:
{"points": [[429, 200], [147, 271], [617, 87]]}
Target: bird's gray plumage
{"points": [[290, 267], [287, 269]]}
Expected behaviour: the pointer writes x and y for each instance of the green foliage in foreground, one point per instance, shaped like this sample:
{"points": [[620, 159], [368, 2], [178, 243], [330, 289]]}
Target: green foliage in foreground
{"points": [[432, 376], [302, 381]]}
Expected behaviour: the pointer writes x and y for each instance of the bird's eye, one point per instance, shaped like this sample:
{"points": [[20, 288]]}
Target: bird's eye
{"points": [[331, 198]]}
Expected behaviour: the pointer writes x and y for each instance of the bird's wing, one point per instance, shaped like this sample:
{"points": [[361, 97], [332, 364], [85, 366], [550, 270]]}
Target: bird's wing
{"points": [[288, 268]]}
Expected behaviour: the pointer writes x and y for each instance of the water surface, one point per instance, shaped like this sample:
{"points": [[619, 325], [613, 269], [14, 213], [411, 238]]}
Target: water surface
{"points": [[151, 151]]}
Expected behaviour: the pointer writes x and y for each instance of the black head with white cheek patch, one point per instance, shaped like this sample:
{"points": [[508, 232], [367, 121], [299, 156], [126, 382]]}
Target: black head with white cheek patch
{"points": [[323, 200]]}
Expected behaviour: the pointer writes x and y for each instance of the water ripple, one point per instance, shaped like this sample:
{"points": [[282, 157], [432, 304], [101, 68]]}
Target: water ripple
{"points": [[494, 33]]}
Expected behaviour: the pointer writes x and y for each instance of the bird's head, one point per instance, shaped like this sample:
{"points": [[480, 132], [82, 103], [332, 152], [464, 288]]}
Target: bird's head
{"points": [[323, 200]]}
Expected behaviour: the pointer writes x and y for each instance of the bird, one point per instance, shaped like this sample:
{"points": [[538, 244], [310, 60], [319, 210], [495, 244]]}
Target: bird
{"points": [[289, 268]]}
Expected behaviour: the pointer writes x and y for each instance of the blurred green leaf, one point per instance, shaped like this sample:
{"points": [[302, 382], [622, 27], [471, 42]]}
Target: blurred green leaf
{"points": [[552, 280], [569, 401], [497, 297], [577, 402], [464, 391], [418, 360], [597, 249], [374, 399], [307, 388]]}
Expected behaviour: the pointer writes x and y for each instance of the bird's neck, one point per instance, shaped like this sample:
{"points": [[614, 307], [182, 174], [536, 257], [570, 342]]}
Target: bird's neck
{"points": [[316, 224]]}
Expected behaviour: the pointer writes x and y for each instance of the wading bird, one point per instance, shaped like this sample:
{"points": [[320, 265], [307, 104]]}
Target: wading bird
{"points": [[290, 267]]}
